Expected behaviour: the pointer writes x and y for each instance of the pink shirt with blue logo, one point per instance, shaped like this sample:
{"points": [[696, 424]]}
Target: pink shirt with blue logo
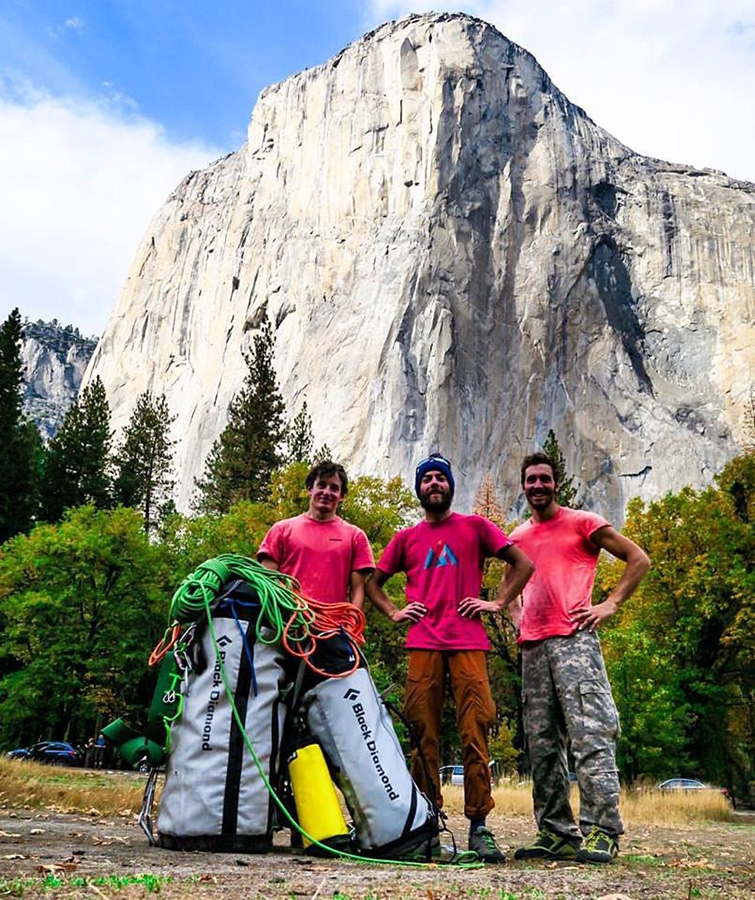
{"points": [[443, 562]]}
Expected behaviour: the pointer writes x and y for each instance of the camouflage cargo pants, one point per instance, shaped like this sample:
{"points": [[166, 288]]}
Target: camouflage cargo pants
{"points": [[565, 692]]}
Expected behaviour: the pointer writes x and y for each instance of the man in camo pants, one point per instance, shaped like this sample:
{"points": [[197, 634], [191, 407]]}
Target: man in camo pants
{"points": [[565, 688]]}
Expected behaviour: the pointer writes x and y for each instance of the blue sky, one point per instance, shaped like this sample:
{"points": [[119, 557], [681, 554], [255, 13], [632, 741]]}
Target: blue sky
{"points": [[106, 104]]}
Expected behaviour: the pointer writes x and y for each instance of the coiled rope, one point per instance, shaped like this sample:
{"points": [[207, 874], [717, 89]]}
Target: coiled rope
{"points": [[286, 616]]}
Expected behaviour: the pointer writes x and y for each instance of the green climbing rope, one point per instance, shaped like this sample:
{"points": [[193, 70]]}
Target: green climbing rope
{"points": [[279, 604]]}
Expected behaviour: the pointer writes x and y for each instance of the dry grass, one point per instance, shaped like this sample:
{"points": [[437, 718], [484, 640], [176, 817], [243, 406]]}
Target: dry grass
{"points": [[29, 784], [645, 807], [24, 784]]}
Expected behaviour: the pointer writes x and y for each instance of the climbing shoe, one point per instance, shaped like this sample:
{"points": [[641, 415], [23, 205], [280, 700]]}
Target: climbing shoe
{"points": [[483, 843], [598, 847], [548, 845]]}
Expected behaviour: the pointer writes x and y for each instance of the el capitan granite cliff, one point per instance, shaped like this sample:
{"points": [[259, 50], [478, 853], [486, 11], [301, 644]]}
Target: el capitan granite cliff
{"points": [[453, 257]]}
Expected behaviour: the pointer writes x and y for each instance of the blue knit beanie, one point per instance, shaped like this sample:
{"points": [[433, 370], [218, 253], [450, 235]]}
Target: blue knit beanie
{"points": [[434, 463]]}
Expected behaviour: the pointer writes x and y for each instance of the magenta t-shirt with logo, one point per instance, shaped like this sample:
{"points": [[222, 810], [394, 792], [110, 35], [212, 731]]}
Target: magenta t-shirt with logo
{"points": [[443, 562]]}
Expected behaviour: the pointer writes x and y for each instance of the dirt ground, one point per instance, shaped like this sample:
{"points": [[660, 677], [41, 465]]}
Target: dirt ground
{"points": [[73, 855]]}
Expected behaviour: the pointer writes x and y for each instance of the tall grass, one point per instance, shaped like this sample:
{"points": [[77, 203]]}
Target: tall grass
{"points": [[32, 785], [645, 807], [26, 784]]}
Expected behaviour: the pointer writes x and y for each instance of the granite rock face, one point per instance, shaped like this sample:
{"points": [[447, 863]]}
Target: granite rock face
{"points": [[453, 257], [54, 359]]}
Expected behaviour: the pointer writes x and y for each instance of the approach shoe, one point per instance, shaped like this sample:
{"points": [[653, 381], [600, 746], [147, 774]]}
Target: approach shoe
{"points": [[548, 845], [483, 843], [598, 847], [430, 850]]}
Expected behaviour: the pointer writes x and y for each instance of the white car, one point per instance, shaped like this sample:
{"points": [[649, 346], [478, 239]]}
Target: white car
{"points": [[452, 775], [455, 774]]}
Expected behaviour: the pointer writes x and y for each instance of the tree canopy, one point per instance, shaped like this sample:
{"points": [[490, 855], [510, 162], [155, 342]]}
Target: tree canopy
{"points": [[681, 651], [144, 460], [77, 468], [250, 448], [20, 443], [82, 603]]}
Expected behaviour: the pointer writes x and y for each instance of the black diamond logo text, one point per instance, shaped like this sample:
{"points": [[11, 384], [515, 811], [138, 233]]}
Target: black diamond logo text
{"points": [[224, 640], [351, 694]]}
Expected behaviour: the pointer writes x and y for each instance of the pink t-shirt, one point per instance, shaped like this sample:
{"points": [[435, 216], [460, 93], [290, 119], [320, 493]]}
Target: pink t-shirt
{"points": [[320, 555], [565, 560], [443, 562]]}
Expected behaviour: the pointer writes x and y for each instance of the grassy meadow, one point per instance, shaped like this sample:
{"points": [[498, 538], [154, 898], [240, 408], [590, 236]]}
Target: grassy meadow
{"points": [[31, 785]]}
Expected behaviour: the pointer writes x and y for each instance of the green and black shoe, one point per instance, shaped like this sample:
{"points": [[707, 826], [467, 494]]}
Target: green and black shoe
{"points": [[482, 842], [549, 845], [598, 847]]}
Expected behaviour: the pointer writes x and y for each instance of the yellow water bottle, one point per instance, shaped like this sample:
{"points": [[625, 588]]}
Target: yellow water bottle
{"points": [[317, 806]]}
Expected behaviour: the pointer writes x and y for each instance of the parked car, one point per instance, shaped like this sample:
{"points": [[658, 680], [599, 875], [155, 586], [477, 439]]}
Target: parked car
{"points": [[689, 784], [58, 753], [455, 774], [452, 775]]}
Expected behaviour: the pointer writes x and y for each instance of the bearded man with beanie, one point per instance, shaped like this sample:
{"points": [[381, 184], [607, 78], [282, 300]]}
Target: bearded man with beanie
{"points": [[443, 557]]}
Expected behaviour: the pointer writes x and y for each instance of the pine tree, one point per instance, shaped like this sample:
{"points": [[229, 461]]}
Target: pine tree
{"points": [[144, 460], [299, 438], [486, 502], [244, 457], [565, 496], [20, 443], [77, 463]]}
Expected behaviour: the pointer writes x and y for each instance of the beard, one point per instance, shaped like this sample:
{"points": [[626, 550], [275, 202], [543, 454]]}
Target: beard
{"points": [[436, 503], [540, 500]]}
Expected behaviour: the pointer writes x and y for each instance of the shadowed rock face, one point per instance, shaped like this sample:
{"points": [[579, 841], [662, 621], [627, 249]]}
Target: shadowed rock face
{"points": [[453, 257], [54, 359]]}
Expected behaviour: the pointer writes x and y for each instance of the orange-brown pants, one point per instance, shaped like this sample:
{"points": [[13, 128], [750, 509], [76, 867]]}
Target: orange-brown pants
{"points": [[475, 712]]}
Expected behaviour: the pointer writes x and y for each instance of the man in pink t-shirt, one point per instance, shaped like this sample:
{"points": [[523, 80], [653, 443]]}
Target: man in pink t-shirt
{"points": [[443, 558], [330, 558], [565, 688]]}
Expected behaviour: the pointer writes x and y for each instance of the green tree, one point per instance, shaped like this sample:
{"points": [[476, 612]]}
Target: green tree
{"points": [[242, 460], [566, 494], [20, 443], [505, 660], [686, 641], [190, 541], [144, 460], [379, 507], [299, 438], [77, 463], [288, 492], [82, 604]]}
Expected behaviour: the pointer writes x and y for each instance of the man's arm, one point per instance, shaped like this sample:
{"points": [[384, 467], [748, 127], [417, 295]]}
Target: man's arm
{"points": [[269, 563], [412, 612], [518, 572], [357, 581], [637, 564]]}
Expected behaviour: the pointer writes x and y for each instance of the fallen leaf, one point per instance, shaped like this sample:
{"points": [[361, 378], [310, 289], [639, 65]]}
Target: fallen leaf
{"points": [[37, 831], [54, 868], [14, 856]]}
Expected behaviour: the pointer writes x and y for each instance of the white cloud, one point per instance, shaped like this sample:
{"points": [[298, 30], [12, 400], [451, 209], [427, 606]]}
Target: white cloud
{"points": [[673, 79], [81, 181]]}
